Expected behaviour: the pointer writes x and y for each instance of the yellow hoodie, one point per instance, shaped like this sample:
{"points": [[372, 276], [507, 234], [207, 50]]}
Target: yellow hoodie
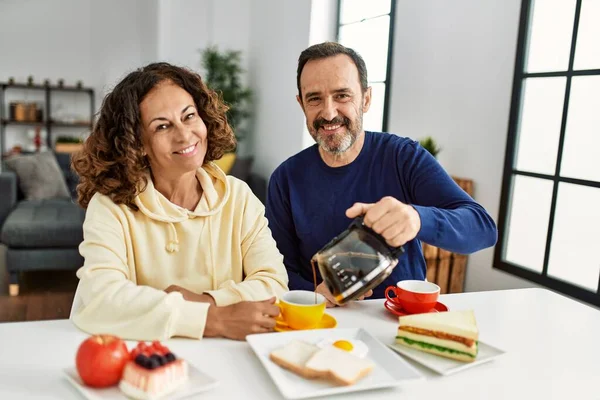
{"points": [[224, 248]]}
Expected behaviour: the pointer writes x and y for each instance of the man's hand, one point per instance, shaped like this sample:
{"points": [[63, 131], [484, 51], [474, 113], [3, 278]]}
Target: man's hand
{"points": [[191, 296], [397, 222], [330, 300]]}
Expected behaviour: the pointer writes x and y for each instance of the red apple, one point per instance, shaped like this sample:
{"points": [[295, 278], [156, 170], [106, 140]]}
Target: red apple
{"points": [[100, 360]]}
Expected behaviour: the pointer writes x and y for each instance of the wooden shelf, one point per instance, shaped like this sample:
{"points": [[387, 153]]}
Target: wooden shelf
{"points": [[71, 124], [49, 124], [22, 123], [5, 85], [71, 89]]}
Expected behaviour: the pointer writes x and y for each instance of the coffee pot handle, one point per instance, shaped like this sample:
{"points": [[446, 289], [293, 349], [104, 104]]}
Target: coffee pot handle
{"points": [[358, 222], [398, 251]]}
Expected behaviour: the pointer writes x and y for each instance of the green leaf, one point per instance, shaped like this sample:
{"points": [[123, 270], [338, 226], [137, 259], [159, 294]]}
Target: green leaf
{"points": [[223, 72], [430, 145], [433, 346]]}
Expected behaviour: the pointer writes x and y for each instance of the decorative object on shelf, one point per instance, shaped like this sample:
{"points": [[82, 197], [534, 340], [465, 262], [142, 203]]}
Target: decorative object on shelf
{"points": [[22, 116], [25, 112], [431, 146], [79, 84], [68, 144], [31, 112], [36, 138], [11, 80], [17, 111], [61, 83], [223, 72], [30, 80]]}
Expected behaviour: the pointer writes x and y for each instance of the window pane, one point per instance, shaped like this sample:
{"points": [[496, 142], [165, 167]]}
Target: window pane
{"points": [[574, 255], [373, 119], [356, 10], [550, 32], [581, 157], [370, 39], [587, 53], [529, 213], [539, 129]]}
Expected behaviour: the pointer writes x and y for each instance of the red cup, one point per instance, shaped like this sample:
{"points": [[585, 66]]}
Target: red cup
{"points": [[415, 297]]}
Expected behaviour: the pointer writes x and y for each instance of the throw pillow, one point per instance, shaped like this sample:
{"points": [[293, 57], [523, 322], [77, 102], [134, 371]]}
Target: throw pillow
{"points": [[226, 162], [39, 176]]}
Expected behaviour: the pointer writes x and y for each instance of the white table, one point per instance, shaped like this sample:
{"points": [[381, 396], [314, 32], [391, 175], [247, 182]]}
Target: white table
{"points": [[552, 344]]}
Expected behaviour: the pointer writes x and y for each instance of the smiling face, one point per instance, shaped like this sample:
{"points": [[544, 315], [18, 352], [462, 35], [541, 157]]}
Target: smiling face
{"points": [[173, 134], [333, 102]]}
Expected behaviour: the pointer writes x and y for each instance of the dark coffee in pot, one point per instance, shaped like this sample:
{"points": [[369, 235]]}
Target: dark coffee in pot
{"points": [[355, 262]]}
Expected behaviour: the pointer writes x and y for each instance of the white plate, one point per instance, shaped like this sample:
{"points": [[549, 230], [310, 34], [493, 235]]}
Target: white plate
{"points": [[198, 382], [389, 370], [447, 366]]}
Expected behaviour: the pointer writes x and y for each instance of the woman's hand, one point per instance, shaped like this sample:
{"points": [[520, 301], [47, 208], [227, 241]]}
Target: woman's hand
{"points": [[238, 320], [191, 296]]}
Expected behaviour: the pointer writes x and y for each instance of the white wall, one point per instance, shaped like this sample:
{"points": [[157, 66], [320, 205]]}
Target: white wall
{"points": [[452, 79], [93, 41], [279, 31], [186, 26]]}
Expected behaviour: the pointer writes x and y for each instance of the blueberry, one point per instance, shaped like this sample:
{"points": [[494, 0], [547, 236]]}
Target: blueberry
{"points": [[153, 363], [158, 358], [170, 357], [141, 360]]}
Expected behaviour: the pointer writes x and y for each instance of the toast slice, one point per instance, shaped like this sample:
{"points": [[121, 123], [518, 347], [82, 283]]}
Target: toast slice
{"points": [[293, 357], [338, 366], [330, 363]]}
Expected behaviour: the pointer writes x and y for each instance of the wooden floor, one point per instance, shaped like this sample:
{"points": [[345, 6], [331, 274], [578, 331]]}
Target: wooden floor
{"points": [[43, 295]]}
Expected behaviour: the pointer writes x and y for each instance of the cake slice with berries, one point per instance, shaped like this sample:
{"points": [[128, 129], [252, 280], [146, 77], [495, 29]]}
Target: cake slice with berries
{"points": [[152, 372]]}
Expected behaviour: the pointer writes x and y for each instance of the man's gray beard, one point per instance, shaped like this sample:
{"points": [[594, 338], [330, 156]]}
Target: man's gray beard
{"points": [[347, 141]]}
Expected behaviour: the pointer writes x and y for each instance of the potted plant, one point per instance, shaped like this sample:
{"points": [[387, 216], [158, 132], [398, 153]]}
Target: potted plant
{"points": [[68, 144], [222, 73], [430, 145]]}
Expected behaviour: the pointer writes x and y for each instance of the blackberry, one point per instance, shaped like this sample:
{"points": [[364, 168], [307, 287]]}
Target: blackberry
{"points": [[170, 357], [142, 360], [159, 359], [153, 363]]}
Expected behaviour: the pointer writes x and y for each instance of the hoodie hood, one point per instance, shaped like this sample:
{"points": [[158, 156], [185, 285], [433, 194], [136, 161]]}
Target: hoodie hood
{"points": [[215, 194]]}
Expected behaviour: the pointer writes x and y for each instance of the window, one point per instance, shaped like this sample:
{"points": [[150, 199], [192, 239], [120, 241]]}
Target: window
{"points": [[550, 206], [368, 28]]}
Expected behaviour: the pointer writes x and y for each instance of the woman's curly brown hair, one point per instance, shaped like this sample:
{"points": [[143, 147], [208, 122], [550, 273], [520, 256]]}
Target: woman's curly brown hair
{"points": [[112, 162]]}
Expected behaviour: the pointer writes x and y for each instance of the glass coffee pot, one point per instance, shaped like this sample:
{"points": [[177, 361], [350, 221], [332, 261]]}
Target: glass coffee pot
{"points": [[355, 261]]}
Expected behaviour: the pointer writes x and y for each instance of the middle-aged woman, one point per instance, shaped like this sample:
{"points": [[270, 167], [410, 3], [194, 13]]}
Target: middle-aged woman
{"points": [[172, 246]]}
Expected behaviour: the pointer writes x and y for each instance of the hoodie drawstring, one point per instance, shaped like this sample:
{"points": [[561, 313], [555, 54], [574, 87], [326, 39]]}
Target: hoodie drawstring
{"points": [[173, 243], [212, 258]]}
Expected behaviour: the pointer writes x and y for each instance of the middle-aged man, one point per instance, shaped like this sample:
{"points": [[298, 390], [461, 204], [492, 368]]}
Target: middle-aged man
{"points": [[402, 191]]}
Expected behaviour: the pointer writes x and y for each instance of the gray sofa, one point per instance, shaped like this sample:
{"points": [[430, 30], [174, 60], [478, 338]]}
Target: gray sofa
{"points": [[45, 234], [39, 234]]}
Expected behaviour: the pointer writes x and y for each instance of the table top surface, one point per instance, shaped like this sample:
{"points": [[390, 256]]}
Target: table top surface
{"points": [[551, 343]]}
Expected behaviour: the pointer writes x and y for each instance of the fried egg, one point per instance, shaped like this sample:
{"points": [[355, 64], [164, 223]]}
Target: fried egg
{"points": [[352, 346]]}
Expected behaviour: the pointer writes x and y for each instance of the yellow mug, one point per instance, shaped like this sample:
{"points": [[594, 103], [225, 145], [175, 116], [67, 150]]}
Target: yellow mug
{"points": [[299, 309]]}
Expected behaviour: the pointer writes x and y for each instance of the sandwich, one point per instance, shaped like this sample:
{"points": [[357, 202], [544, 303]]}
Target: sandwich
{"points": [[312, 362], [451, 334]]}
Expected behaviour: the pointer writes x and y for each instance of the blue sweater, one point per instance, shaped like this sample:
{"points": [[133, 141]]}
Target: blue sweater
{"points": [[307, 202]]}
